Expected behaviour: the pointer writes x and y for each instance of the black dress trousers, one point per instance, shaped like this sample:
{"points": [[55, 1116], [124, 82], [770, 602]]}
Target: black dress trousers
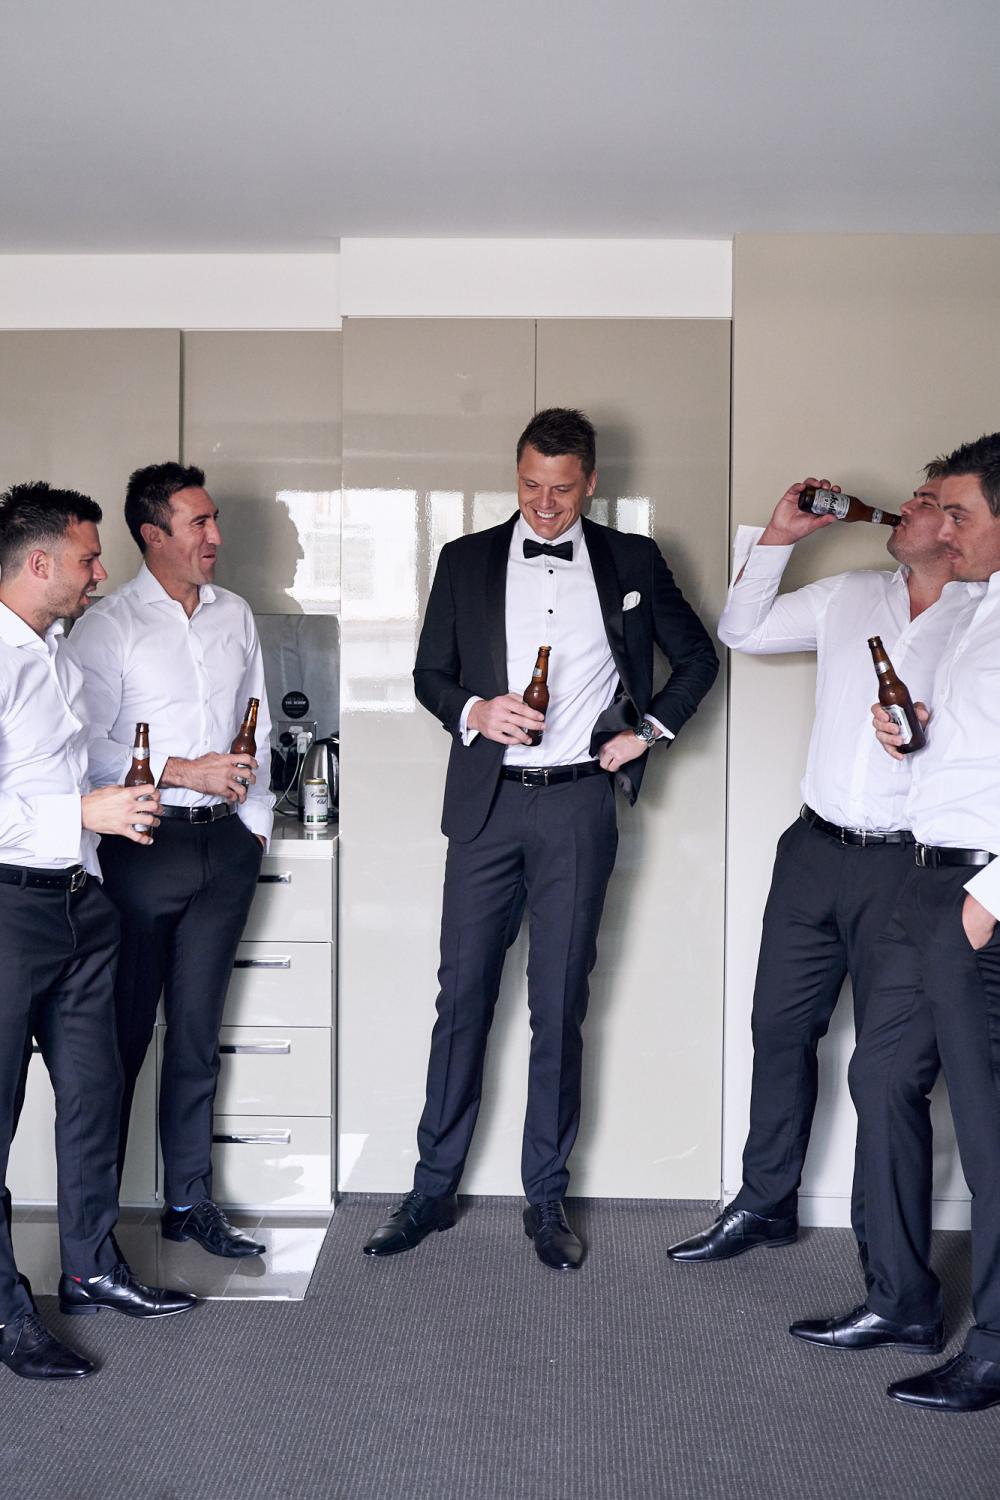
{"points": [[932, 994], [57, 958], [551, 850], [183, 905], [827, 904]]}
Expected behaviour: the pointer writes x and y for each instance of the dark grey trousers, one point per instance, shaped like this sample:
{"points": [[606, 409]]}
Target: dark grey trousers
{"points": [[183, 906], [827, 904], [551, 850], [57, 958], [931, 994]]}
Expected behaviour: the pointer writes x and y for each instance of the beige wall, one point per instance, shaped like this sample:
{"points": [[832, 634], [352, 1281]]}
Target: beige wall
{"points": [[432, 410], [857, 358]]}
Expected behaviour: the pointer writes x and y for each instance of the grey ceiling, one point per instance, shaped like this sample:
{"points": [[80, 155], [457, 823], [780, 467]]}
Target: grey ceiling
{"points": [[222, 125]]}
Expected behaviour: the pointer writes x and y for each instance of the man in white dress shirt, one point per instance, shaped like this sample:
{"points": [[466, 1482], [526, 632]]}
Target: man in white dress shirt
{"points": [[172, 650], [58, 930], [839, 865], [535, 825], [936, 988]]}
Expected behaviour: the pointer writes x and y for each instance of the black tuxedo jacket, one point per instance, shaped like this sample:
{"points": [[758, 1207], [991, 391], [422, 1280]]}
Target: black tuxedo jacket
{"points": [[463, 650]]}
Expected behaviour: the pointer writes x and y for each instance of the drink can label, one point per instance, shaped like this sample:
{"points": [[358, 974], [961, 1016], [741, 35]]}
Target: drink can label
{"points": [[901, 722], [315, 803]]}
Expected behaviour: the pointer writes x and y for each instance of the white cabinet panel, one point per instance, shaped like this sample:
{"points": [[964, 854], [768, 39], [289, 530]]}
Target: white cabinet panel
{"points": [[261, 1161], [269, 1071], [281, 984], [295, 900]]}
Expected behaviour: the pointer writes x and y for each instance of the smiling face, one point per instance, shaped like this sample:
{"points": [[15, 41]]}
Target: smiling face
{"points": [[76, 571], [917, 538], [970, 531], [551, 491], [185, 556]]}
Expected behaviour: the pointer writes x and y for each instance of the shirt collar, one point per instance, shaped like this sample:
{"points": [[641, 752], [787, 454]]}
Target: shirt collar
{"points": [[17, 632], [149, 588], [524, 533]]}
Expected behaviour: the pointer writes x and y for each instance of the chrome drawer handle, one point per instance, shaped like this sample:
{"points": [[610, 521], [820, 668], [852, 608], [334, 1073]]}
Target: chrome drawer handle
{"points": [[265, 1138], [284, 878], [263, 1049], [263, 963]]}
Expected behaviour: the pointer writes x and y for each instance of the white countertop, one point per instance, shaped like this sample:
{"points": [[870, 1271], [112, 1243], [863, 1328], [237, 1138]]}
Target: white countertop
{"points": [[310, 843]]}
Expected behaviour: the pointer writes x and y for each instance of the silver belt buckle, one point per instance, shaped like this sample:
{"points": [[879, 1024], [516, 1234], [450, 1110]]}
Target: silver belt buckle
{"points": [[864, 836], [920, 855], [78, 879]]}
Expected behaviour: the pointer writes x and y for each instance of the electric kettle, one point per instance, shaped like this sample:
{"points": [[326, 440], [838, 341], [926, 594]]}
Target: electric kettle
{"points": [[322, 763]]}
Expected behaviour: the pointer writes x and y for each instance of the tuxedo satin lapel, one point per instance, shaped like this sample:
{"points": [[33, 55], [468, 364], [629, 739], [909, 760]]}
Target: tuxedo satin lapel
{"points": [[609, 593], [496, 601]]}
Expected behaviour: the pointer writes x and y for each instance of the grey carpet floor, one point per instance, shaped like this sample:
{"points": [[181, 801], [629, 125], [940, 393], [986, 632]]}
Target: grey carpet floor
{"points": [[466, 1371]]}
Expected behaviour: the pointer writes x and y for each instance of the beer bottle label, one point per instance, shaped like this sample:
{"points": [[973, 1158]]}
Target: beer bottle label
{"points": [[826, 503], [901, 722], [138, 753]]}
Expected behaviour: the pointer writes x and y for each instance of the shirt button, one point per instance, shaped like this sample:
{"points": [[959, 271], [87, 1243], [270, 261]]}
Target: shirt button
{"points": [[550, 611]]}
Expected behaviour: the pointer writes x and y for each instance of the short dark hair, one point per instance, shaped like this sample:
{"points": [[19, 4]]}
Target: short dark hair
{"points": [[147, 499], [36, 515], [559, 430], [983, 459], [935, 469]]}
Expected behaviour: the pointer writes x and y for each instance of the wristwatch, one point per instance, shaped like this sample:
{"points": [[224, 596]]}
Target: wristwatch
{"points": [[645, 731]]}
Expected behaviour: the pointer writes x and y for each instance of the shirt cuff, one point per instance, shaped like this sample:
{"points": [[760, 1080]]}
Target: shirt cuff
{"points": [[762, 562], [667, 734], [985, 887], [157, 764], [467, 734], [58, 826], [259, 820]]}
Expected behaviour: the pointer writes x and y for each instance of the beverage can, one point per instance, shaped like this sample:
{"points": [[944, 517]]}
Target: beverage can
{"points": [[315, 803]]}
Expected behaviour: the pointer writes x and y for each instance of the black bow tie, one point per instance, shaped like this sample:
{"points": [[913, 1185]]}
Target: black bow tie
{"points": [[547, 549]]}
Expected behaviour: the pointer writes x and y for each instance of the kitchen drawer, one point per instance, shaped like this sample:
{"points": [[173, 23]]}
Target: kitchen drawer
{"points": [[31, 1169], [267, 1070], [281, 984], [295, 900], [260, 1161]]}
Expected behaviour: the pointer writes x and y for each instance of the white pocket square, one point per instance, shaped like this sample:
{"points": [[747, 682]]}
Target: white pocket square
{"points": [[631, 600]]}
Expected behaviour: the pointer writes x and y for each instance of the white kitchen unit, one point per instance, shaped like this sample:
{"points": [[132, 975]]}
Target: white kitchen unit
{"points": [[275, 1107]]}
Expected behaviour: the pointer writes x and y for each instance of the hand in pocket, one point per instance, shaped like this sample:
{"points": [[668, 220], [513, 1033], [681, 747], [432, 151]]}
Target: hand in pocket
{"points": [[978, 922]]}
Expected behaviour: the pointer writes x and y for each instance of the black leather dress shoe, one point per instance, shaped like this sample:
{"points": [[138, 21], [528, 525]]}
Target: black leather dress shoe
{"points": [[861, 1329], [120, 1291], [555, 1243], [30, 1350], [963, 1384], [207, 1225], [412, 1221], [734, 1233]]}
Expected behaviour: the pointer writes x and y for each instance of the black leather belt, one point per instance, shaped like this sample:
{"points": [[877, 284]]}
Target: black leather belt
{"points": [[856, 836], [931, 858], [73, 879], [550, 775], [209, 814]]}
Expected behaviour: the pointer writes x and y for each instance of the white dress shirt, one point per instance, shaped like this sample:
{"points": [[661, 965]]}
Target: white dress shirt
{"points": [[43, 751], [954, 798], [849, 780], [552, 602], [145, 661]]}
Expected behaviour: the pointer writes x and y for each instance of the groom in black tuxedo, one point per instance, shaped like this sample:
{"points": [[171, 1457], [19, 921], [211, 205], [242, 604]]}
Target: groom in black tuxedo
{"points": [[534, 825]]}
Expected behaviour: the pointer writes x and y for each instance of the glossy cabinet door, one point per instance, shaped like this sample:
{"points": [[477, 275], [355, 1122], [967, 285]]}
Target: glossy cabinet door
{"points": [[432, 413], [83, 409]]}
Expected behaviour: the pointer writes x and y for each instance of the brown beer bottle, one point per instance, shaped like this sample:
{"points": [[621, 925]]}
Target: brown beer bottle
{"points": [[139, 773], [246, 741], [536, 694], [895, 699], [820, 502]]}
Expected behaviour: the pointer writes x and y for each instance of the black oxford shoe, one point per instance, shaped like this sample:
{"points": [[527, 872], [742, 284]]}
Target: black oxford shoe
{"points": [[555, 1243], [207, 1225], [861, 1329], [963, 1384], [31, 1351], [120, 1291], [734, 1233], [412, 1221]]}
